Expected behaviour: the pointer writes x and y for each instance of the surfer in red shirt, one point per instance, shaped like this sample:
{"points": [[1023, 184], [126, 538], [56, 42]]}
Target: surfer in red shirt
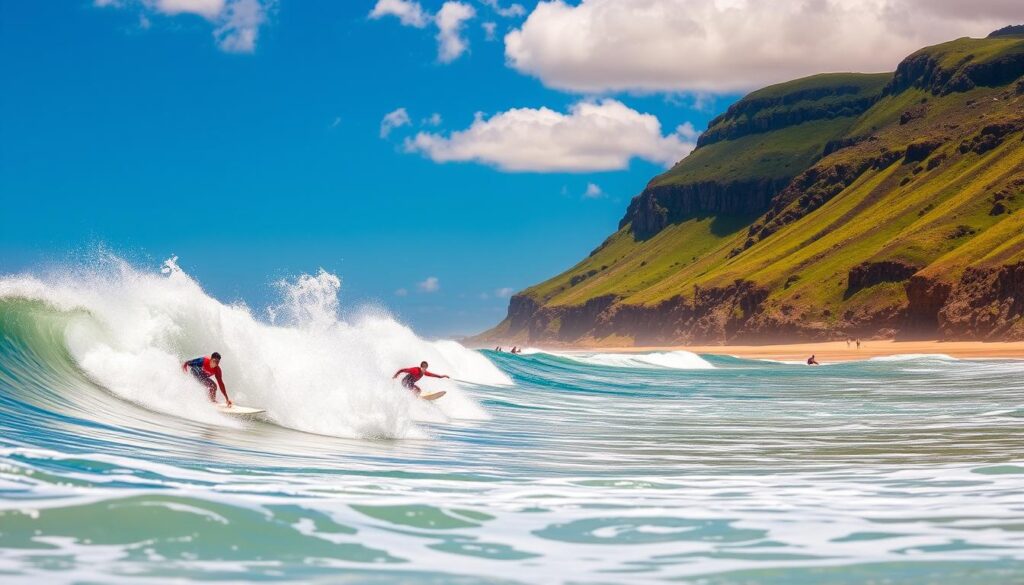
{"points": [[413, 375], [203, 368]]}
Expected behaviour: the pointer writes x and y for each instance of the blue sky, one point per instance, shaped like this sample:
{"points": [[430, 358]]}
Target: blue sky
{"points": [[246, 138]]}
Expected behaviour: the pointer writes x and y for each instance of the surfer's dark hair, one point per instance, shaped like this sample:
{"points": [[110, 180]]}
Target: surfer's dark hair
{"points": [[214, 356], [424, 364]]}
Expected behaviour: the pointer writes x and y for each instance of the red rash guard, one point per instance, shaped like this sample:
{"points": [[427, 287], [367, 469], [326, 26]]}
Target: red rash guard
{"points": [[417, 372], [207, 369]]}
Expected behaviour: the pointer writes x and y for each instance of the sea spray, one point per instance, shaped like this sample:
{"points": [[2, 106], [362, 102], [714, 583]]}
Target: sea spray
{"points": [[129, 331]]}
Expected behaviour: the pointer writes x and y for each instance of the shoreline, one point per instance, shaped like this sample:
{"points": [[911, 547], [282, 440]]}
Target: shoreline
{"points": [[837, 351]]}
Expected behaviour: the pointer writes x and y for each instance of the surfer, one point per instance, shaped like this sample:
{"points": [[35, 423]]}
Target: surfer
{"points": [[203, 368], [413, 375], [812, 362]]}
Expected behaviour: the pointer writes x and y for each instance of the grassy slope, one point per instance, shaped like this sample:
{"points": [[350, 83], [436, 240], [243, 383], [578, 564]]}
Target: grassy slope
{"points": [[903, 212], [780, 153]]}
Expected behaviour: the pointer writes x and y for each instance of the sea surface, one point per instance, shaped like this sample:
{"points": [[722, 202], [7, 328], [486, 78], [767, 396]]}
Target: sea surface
{"points": [[535, 468]]}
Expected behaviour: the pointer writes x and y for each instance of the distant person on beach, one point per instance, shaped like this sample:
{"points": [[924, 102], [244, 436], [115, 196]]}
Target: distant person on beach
{"points": [[858, 343], [498, 349], [205, 369], [847, 343], [812, 362], [414, 374]]}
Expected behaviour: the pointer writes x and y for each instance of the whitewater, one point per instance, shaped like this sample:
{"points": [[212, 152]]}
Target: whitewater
{"points": [[543, 467]]}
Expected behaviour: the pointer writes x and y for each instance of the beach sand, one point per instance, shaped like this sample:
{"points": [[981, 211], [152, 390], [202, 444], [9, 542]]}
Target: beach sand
{"points": [[835, 351]]}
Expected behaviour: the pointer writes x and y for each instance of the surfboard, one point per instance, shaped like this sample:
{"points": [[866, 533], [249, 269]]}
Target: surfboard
{"points": [[239, 410], [434, 396]]}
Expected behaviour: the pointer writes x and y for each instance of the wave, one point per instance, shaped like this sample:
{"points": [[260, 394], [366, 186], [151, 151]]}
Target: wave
{"points": [[675, 360], [125, 332]]}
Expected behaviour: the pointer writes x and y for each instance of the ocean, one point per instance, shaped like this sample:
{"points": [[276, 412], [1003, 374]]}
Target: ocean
{"points": [[565, 467]]}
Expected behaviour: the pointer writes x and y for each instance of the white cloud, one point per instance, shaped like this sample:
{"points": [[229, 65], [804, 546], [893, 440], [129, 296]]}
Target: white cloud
{"points": [[504, 292], [408, 13], [687, 131], [450, 20], [430, 285], [401, 292], [435, 119], [593, 191], [733, 45], [594, 136], [208, 8], [335, 123], [240, 26], [489, 28], [237, 22], [392, 120], [513, 10]]}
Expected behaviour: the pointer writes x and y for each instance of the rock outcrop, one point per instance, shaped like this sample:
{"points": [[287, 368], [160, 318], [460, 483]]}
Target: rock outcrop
{"points": [[986, 304]]}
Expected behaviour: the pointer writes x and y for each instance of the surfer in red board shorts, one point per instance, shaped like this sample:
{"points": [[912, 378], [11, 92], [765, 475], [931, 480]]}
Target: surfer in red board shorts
{"points": [[414, 374], [205, 368]]}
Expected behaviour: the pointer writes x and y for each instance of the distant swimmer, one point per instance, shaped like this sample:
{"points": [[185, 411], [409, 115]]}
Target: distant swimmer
{"points": [[812, 362], [414, 374], [205, 368]]}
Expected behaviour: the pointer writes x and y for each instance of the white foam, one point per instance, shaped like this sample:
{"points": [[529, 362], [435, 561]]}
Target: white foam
{"points": [[906, 357], [675, 360], [310, 369]]}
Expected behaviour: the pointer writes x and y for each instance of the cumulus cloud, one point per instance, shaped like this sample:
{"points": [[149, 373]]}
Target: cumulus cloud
{"points": [[430, 285], [593, 136], [408, 13], [512, 11], [240, 26], [504, 292], [236, 22], [392, 120], [732, 45], [489, 28], [435, 119], [450, 21], [593, 191]]}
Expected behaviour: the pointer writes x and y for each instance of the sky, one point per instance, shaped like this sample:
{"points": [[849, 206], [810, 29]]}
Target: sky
{"points": [[437, 156]]}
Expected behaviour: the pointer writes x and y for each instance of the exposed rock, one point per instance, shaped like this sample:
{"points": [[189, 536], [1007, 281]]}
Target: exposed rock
{"points": [[987, 304], [990, 137], [658, 207], [753, 116], [919, 151], [925, 296], [869, 274], [914, 113], [923, 71], [1014, 30]]}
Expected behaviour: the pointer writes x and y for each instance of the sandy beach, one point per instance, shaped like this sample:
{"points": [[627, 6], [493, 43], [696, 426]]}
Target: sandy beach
{"points": [[835, 351]]}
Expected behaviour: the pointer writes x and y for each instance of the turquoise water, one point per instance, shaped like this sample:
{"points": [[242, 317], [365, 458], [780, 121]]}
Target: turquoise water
{"points": [[544, 469]]}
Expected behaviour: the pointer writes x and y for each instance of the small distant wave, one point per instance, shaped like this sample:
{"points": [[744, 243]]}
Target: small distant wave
{"points": [[673, 360], [907, 357]]}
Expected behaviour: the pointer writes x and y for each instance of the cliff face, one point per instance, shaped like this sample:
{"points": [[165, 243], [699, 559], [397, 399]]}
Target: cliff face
{"points": [[832, 206], [987, 304]]}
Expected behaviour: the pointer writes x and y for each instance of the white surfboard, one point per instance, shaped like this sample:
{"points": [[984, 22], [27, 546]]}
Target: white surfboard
{"points": [[433, 396], [239, 410]]}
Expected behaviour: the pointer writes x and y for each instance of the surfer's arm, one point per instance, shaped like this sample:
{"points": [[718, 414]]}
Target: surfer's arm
{"points": [[433, 375], [223, 390], [403, 371], [198, 362]]}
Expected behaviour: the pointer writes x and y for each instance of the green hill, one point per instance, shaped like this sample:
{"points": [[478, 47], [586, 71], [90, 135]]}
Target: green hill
{"points": [[830, 206]]}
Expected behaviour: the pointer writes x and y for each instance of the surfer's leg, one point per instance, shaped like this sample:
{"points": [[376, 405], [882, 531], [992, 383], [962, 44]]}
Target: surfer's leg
{"points": [[212, 387]]}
